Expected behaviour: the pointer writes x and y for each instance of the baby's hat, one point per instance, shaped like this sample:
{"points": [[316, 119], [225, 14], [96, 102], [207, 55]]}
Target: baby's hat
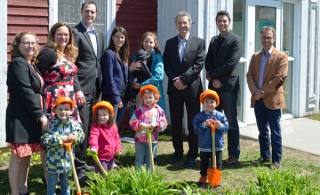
{"points": [[141, 55], [209, 93], [105, 105]]}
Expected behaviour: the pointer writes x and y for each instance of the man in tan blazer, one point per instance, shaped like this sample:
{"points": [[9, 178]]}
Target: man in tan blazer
{"points": [[267, 72]]}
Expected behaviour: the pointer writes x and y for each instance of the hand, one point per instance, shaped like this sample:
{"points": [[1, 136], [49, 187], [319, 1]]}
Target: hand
{"points": [[218, 124], [93, 151], [71, 138], [65, 139], [80, 99], [135, 66], [178, 83], [216, 83], [119, 105], [207, 123], [258, 94], [135, 85], [118, 152], [208, 76], [153, 125], [129, 104], [45, 123]]}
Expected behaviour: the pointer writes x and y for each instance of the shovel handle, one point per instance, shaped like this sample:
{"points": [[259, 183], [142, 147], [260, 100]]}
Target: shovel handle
{"points": [[213, 136], [96, 159], [68, 145]]}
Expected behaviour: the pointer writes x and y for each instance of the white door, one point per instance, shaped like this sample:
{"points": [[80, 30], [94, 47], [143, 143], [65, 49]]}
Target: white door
{"points": [[260, 13]]}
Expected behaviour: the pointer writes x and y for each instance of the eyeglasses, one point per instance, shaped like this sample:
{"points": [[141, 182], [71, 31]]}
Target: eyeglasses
{"points": [[266, 38], [28, 43], [61, 35], [120, 37]]}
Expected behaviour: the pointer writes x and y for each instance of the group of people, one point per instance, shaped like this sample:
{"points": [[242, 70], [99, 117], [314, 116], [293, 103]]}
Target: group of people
{"points": [[57, 91]]}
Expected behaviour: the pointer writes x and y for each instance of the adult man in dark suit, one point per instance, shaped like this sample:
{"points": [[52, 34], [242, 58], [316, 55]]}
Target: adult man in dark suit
{"points": [[221, 65], [183, 61], [266, 74], [90, 42]]}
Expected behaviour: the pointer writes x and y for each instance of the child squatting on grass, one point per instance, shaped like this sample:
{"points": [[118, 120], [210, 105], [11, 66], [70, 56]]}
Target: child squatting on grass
{"points": [[147, 117], [104, 137], [64, 129], [202, 127]]}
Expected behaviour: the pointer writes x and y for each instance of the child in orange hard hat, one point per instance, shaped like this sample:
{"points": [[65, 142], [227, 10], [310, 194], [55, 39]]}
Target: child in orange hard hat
{"points": [[104, 138], [202, 126], [64, 129], [148, 116]]}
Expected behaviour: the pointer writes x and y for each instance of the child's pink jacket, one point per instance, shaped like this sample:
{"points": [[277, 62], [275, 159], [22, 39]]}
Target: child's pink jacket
{"points": [[105, 139]]}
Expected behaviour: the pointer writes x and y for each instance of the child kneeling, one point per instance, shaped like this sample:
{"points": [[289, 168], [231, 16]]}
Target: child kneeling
{"points": [[202, 126], [149, 116], [64, 130]]}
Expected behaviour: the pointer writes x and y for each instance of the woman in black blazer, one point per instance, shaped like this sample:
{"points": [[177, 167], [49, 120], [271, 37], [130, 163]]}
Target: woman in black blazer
{"points": [[25, 114]]}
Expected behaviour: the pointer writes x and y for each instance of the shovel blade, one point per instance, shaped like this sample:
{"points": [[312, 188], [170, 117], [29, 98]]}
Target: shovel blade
{"points": [[214, 176]]}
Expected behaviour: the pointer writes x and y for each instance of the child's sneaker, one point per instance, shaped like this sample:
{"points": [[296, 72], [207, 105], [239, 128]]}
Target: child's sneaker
{"points": [[202, 181]]}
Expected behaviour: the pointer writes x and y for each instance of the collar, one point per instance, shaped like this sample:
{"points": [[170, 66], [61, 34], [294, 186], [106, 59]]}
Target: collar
{"points": [[88, 30], [155, 105], [210, 113], [185, 39], [270, 51]]}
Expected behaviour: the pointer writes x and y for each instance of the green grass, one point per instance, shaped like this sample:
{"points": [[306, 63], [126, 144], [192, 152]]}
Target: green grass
{"points": [[236, 179], [315, 116]]}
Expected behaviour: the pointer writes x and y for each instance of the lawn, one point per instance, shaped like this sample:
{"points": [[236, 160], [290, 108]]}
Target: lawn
{"points": [[235, 178]]}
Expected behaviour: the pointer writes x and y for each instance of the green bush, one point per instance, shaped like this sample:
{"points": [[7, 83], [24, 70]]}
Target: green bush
{"points": [[281, 182]]}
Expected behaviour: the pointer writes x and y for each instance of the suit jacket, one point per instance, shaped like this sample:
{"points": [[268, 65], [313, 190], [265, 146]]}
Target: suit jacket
{"points": [[188, 70], [274, 76], [87, 62], [24, 108], [223, 64]]}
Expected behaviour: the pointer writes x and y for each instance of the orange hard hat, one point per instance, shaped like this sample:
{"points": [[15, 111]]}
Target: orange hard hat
{"points": [[103, 104], [63, 100], [209, 93], [148, 87]]}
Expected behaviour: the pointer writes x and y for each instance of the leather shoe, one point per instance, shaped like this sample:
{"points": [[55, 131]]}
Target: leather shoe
{"points": [[261, 160], [88, 168], [231, 160], [175, 158], [190, 163]]}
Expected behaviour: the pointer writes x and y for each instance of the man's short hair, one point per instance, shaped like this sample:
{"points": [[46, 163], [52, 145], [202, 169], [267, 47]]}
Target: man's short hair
{"points": [[89, 2], [183, 13], [267, 28], [223, 13]]}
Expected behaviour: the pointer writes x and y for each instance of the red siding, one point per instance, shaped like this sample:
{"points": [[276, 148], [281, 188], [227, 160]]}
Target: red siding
{"points": [[137, 17], [31, 15]]}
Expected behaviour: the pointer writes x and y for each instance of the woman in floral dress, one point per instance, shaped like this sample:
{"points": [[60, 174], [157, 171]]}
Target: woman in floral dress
{"points": [[55, 62]]}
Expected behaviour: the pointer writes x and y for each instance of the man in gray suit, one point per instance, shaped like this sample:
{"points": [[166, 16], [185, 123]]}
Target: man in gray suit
{"points": [[90, 42], [183, 59], [222, 61]]}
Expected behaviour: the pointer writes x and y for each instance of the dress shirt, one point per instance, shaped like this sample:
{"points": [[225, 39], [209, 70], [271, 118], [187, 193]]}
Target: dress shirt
{"points": [[182, 45], [263, 63]]}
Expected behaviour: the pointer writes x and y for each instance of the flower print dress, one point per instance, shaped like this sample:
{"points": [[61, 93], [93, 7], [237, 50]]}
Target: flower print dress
{"points": [[59, 80]]}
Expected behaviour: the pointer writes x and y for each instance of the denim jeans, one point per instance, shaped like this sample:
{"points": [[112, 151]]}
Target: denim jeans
{"points": [[142, 154], [53, 181], [269, 118], [228, 104], [119, 113]]}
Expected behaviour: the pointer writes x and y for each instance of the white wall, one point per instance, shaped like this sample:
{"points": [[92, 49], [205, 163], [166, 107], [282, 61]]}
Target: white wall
{"points": [[3, 71]]}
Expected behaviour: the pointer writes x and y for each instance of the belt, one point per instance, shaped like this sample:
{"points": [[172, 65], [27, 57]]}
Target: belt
{"points": [[61, 83]]}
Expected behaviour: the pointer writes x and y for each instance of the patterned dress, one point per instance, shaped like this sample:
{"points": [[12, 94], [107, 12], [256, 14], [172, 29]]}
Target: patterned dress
{"points": [[59, 80]]}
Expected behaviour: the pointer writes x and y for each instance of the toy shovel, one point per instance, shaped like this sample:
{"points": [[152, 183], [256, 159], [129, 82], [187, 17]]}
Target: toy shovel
{"points": [[96, 159], [150, 148], [75, 177], [214, 175]]}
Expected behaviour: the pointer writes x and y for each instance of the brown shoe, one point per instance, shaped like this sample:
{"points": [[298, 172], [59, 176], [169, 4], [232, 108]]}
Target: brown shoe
{"points": [[261, 160], [275, 165], [231, 160]]}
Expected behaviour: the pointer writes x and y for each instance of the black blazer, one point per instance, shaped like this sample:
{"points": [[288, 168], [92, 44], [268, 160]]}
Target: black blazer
{"points": [[223, 64], [87, 62], [24, 108], [188, 70]]}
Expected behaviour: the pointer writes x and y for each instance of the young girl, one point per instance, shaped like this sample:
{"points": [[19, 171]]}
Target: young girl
{"points": [[104, 137], [148, 116]]}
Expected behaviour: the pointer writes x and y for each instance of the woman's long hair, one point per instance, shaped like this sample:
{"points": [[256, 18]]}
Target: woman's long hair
{"points": [[70, 51], [155, 39], [14, 49], [124, 51]]}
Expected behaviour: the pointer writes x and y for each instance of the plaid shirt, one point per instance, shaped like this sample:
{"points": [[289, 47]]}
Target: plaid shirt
{"points": [[58, 160]]}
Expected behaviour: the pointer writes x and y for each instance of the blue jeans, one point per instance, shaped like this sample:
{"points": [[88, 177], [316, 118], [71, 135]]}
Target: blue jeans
{"points": [[266, 117], [119, 113], [53, 181], [142, 154], [228, 104]]}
